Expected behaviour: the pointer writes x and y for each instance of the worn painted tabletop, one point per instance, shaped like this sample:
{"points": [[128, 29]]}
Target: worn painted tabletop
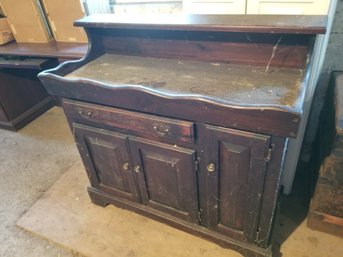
{"points": [[231, 83]]}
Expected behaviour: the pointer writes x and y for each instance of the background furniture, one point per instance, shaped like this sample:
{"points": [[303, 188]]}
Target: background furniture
{"points": [[187, 120], [22, 96], [326, 210]]}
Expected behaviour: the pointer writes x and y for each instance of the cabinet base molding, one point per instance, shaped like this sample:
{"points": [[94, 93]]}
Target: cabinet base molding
{"points": [[103, 199], [28, 116]]}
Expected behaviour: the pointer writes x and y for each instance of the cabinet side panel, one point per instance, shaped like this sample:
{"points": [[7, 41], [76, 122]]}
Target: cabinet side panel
{"points": [[3, 116], [271, 191], [20, 90]]}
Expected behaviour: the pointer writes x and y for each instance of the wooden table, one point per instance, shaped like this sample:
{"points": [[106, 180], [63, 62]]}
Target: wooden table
{"points": [[22, 96]]}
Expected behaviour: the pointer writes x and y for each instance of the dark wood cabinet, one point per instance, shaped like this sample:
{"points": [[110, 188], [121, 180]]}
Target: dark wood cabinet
{"points": [[187, 121], [22, 95]]}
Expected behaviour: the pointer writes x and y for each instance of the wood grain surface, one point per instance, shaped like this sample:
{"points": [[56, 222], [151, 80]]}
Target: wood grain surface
{"points": [[235, 84], [299, 24]]}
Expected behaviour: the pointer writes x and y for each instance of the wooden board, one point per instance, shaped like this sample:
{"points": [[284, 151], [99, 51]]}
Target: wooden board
{"points": [[24, 63], [299, 24], [26, 20], [61, 15], [60, 50]]}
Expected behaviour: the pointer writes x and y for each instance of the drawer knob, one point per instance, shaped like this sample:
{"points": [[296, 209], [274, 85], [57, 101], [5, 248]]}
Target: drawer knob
{"points": [[211, 167], [161, 130], [85, 114], [137, 169], [125, 166]]}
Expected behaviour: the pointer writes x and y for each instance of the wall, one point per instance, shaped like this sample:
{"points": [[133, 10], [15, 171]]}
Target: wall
{"points": [[308, 166], [333, 61], [334, 55]]}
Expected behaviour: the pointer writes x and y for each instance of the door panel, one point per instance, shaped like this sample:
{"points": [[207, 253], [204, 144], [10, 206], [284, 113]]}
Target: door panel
{"points": [[299, 7], [234, 164], [108, 169], [214, 6], [166, 178], [105, 156], [235, 180]]}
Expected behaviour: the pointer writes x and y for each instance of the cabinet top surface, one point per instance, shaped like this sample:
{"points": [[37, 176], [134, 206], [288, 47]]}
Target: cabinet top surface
{"points": [[225, 83], [50, 50], [298, 24]]}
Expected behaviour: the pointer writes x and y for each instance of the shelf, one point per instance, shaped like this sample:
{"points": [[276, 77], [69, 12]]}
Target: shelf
{"points": [[24, 63], [64, 50], [297, 24]]}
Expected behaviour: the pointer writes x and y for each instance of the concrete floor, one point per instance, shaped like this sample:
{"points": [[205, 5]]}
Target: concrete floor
{"points": [[34, 158], [31, 161]]}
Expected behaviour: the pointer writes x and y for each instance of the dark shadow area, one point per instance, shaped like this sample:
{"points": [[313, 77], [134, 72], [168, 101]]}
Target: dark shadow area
{"points": [[295, 207]]}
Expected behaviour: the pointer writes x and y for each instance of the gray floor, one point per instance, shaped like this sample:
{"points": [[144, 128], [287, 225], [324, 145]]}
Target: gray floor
{"points": [[31, 161]]}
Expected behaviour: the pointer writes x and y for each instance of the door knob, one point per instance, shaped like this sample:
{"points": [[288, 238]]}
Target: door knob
{"points": [[161, 130], [211, 167], [85, 114], [125, 166], [137, 169]]}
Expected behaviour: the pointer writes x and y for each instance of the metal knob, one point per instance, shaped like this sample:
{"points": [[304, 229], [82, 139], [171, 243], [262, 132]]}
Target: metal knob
{"points": [[85, 114], [161, 130], [211, 167], [137, 169], [125, 166]]}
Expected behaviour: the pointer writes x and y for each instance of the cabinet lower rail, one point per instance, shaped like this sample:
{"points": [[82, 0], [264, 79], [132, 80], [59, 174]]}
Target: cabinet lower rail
{"points": [[247, 250]]}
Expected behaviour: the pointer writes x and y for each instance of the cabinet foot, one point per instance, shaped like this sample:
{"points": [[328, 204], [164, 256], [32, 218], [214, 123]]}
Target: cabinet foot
{"points": [[97, 198]]}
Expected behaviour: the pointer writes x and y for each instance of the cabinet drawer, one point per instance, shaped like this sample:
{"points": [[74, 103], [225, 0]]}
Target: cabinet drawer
{"points": [[148, 126]]}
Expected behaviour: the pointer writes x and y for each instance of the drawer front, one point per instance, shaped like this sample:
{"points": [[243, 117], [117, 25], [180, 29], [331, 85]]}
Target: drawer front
{"points": [[145, 125]]}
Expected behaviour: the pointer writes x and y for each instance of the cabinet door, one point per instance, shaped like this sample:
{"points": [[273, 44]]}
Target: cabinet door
{"points": [[234, 166], [166, 177], [106, 158], [214, 6], [306, 7]]}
